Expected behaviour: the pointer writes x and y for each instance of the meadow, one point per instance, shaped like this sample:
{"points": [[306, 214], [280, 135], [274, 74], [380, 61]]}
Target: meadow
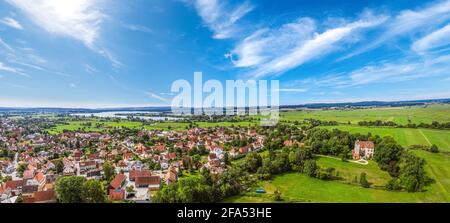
{"points": [[297, 187], [400, 115], [404, 136], [97, 125]]}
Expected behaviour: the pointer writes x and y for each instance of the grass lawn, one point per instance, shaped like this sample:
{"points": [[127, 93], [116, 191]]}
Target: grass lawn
{"points": [[348, 171], [297, 187], [400, 115], [404, 136], [107, 125]]}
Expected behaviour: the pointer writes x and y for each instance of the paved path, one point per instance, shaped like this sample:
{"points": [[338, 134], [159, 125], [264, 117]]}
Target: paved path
{"points": [[361, 162]]}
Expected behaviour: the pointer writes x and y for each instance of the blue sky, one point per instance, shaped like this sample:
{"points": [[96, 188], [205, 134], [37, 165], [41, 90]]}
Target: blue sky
{"points": [[105, 53]]}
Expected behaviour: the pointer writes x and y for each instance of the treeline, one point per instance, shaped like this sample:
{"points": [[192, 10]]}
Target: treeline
{"points": [[433, 148], [205, 188], [406, 169], [289, 159], [433, 125]]}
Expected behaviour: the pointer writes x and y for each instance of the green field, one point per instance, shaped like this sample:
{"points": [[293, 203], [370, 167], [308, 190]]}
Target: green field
{"points": [[301, 188], [348, 171], [297, 187], [108, 125], [400, 115], [404, 136]]}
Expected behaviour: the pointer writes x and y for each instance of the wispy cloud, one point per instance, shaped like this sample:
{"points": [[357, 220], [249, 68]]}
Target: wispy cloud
{"points": [[72, 85], [137, 28], [267, 44], [17, 86], [90, 69], [6, 46], [220, 17], [155, 96], [4, 67], [295, 44], [292, 90], [408, 22], [11, 23], [385, 72], [436, 39], [79, 20]]}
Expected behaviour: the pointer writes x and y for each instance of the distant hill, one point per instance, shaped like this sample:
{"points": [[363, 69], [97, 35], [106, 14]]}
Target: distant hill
{"points": [[168, 109]]}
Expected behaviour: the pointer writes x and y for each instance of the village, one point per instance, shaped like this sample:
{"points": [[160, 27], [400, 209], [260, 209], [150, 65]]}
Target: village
{"points": [[38, 160]]}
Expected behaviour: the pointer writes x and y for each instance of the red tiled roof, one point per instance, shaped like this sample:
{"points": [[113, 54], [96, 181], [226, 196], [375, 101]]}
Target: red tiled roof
{"points": [[139, 173], [39, 177], [28, 174], [13, 184], [149, 180], [365, 144], [118, 181], [41, 197], [117, 194]]}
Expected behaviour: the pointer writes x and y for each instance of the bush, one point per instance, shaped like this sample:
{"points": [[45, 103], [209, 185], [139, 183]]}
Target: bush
{"points": [[363, 180]]}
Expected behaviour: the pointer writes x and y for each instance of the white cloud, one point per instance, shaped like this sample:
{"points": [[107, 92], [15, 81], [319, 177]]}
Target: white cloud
{"points": [[139, 28], [11, 22], [267, 44], [155, 96], [79, 20], [385, 72], [433, 40], [407, 22], [13, 70], [89, 69], [6, 46], [292, 90], [288, 48], [17, 86], [221, 18], [76, 19], [72, 85]]}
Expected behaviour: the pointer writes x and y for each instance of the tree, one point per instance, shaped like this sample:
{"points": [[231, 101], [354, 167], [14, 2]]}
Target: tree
{"points": [[434, 149], [130, 189], [310, 168], [109, 171], [59, 166], [93, 191], [388, 154], [363, 180], [253, 161], [277, 195], [68, 189], [412, 174], [7, 178], [21, 168]]}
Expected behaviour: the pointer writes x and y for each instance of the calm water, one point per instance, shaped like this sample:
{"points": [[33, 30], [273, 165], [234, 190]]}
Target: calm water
{"points": [[126, 114]]}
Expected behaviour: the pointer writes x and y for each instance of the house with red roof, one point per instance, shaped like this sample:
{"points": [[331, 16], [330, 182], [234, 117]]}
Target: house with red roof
{"points": [[363, 150]]}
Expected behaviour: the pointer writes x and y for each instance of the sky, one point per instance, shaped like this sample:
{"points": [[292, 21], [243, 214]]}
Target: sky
{"points": [[111, 53]]}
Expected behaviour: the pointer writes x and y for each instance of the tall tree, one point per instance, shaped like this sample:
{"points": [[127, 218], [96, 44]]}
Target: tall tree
{"points": [[109, 171], [412, 174], [93, 191], [68, 189]]}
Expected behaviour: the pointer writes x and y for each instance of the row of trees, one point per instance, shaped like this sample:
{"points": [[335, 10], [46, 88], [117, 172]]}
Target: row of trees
{"points": [[76, 189], [433, 125], [204, 188], [406, 169]]}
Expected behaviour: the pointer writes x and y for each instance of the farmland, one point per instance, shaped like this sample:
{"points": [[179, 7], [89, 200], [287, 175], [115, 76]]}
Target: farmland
{"points": [[97, 125], [297, 187], [404, 136], [399, 115]]}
